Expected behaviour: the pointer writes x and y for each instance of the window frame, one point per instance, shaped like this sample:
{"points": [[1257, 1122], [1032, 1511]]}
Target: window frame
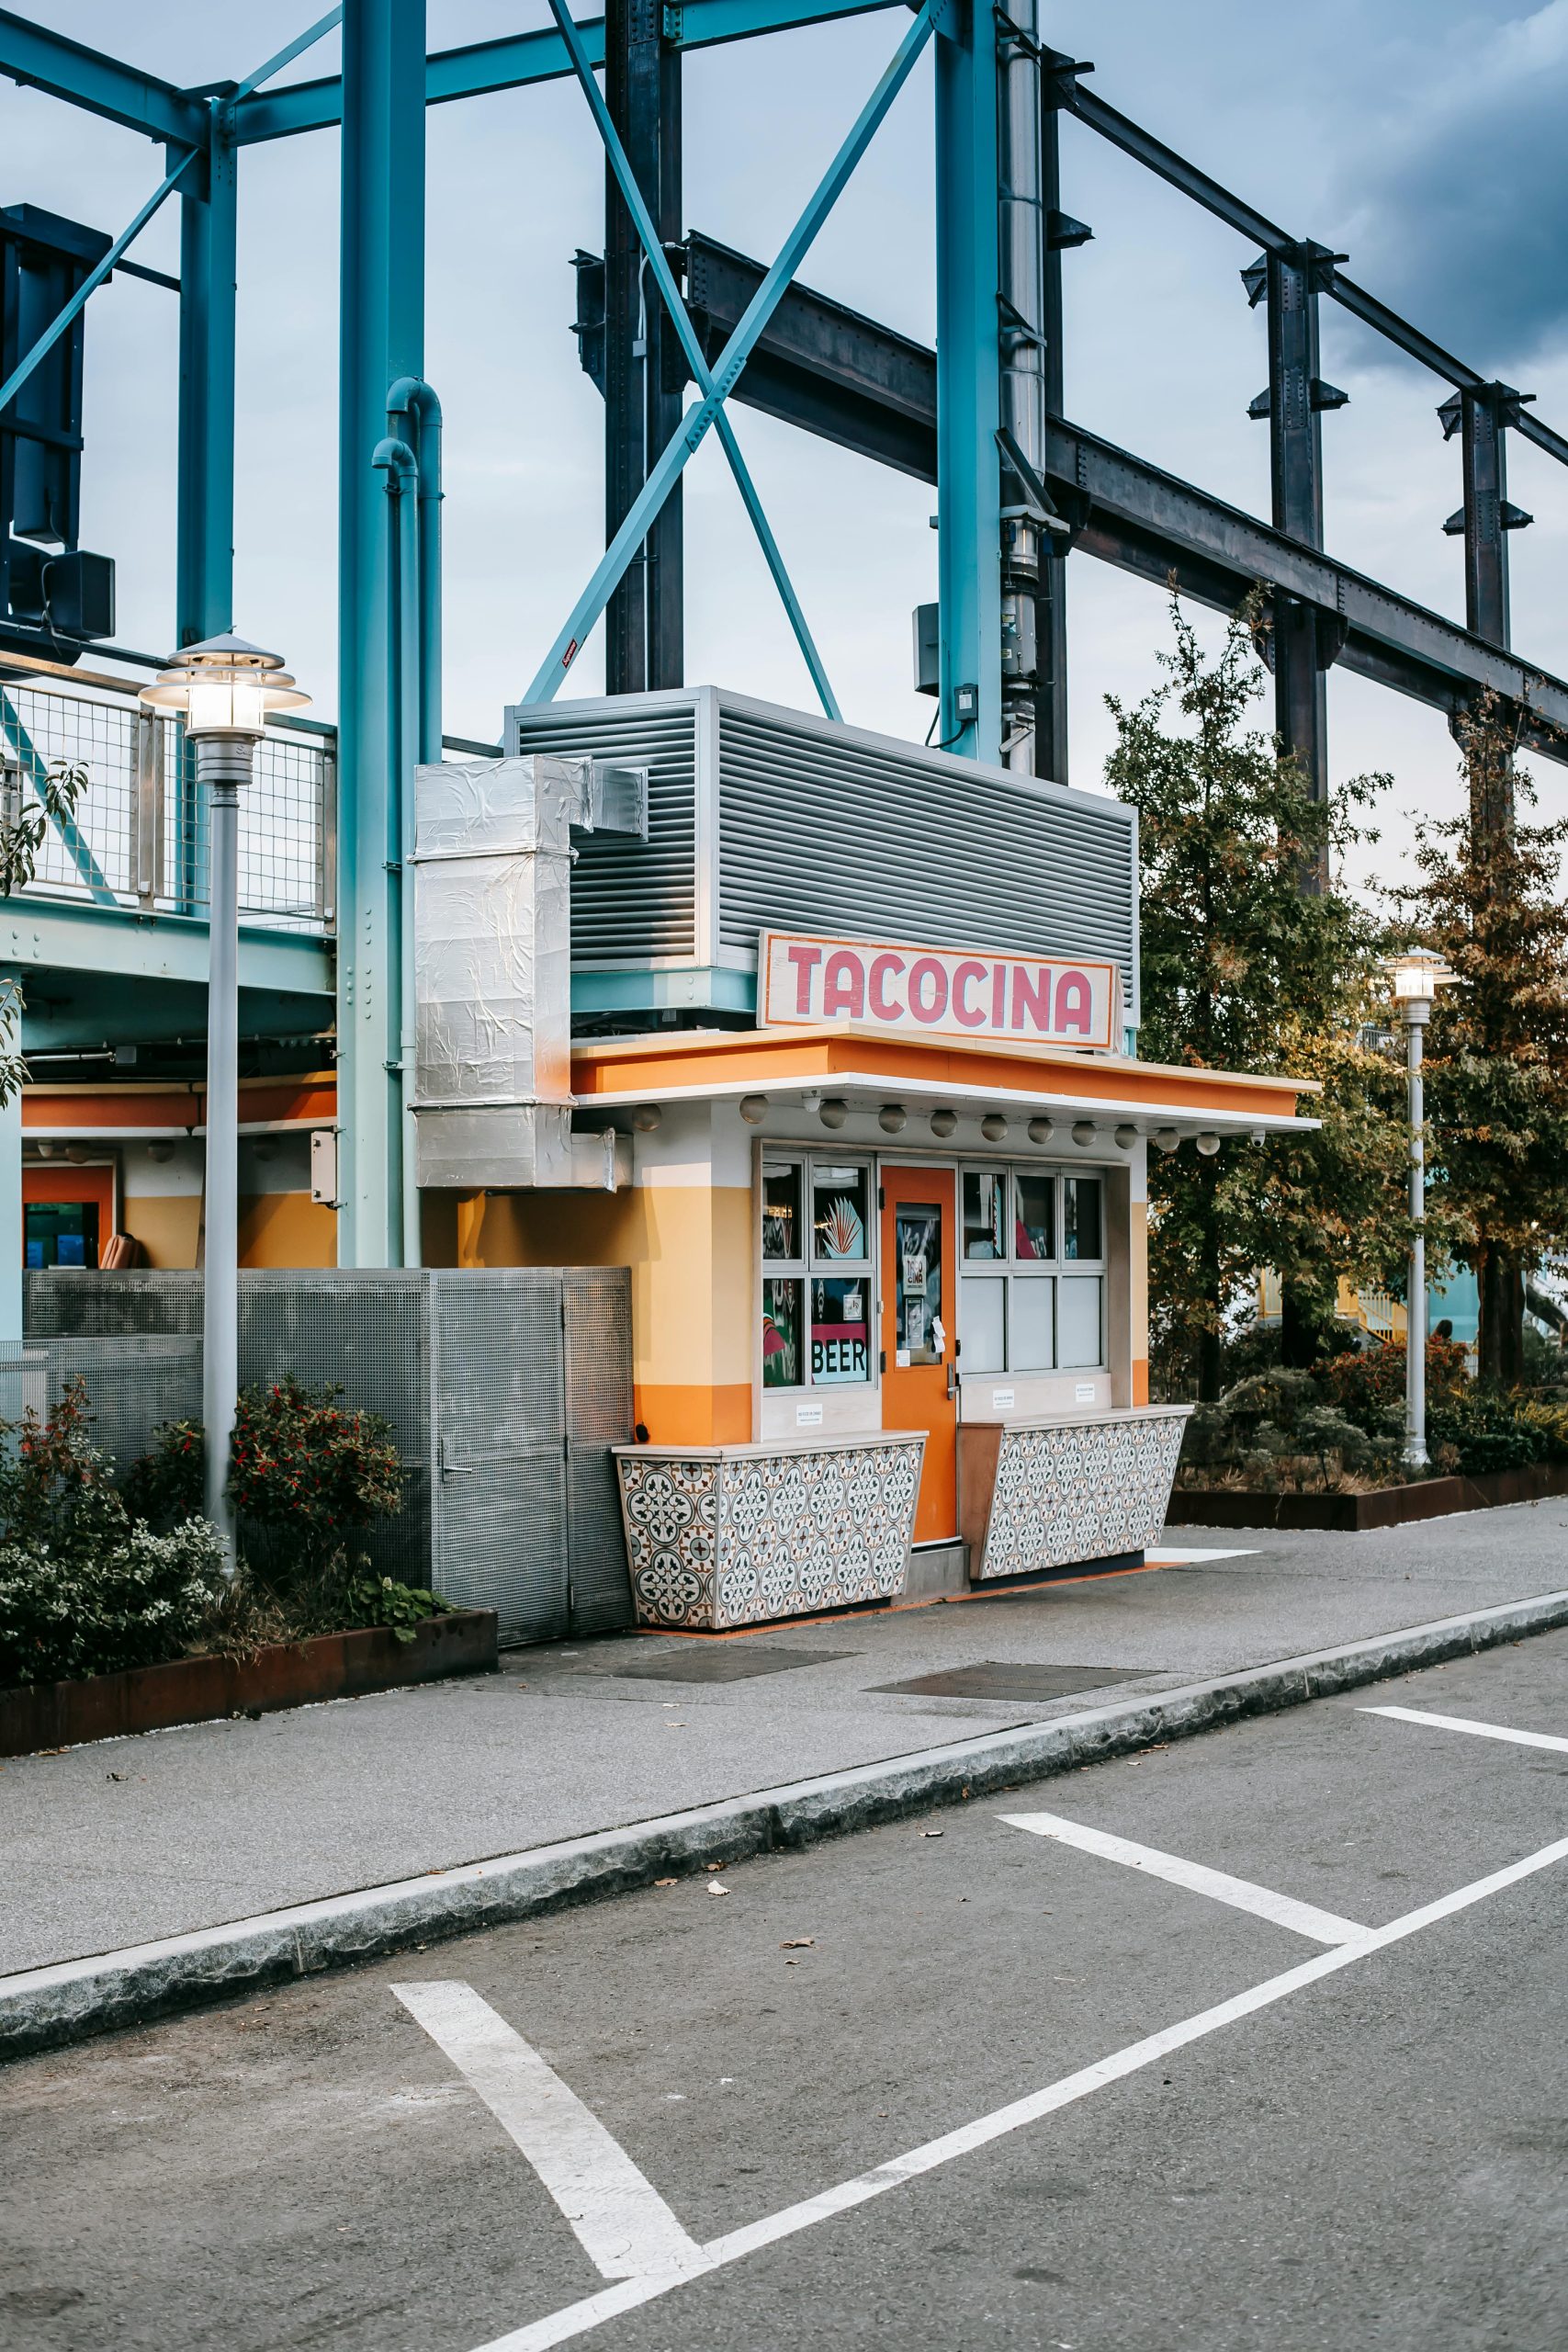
{"points": [[1011, 1271], [811, 1266]]}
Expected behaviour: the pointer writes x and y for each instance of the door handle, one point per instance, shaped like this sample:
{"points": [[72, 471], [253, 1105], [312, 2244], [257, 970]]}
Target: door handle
{"points": [[446, 1469], [952, 1381]]}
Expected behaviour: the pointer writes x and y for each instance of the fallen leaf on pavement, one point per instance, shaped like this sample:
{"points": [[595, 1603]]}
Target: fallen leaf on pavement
{"points": [[798, 1943], [714, 1888], [664, 1881], [933, 1833]]}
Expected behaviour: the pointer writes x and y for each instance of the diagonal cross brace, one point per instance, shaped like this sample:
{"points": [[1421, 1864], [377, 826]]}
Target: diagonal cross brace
{"points": [[696, 358], [89, 872], [689, 434]]}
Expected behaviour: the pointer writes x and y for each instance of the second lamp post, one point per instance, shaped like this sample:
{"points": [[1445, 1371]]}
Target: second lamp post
{"points": [[224, 688], [1417, 976]]}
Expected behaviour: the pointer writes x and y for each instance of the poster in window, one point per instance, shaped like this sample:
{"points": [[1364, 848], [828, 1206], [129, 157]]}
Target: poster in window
{"points": [[840, 1336], [838, 1204], [781, 1334], [918, 1301]]}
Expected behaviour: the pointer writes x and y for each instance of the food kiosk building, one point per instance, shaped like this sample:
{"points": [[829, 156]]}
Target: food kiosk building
{"points": [[832, 1043]]}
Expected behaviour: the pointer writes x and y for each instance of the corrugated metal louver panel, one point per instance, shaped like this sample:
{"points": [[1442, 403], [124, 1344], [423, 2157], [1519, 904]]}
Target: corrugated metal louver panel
{"points": [[630, 900], [820, 831]]}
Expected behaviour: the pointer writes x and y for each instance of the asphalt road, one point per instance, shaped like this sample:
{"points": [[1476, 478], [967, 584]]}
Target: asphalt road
{"points": [[1133, 2113]]}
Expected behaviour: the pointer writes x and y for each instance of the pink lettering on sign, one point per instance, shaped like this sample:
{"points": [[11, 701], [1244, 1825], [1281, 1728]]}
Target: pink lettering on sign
{"points": [[843, 987], [806, 960], [928, 990], [1031, 997], [1000, 997], [1075, 1003], [884, 968], [963, 979]]}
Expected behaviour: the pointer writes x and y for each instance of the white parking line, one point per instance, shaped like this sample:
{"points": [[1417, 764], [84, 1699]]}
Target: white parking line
{"points": [[1305, 1918], [624, 2224], [1462, 1723], [578, 2319]]}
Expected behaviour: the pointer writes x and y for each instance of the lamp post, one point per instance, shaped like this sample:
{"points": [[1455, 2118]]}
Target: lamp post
{"points": [[224, 688], [1417, 976]]}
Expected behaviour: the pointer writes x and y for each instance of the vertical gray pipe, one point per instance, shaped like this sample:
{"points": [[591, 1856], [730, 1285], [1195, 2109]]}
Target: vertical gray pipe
{"points": [[1022, 332], [1416, 1305], [222, 764]]}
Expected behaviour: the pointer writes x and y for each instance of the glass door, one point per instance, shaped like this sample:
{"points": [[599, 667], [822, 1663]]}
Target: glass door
{"points": [[920, 1388]]}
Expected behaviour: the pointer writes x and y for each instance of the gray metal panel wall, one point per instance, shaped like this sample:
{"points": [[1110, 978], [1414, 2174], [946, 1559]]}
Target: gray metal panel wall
{"points": [[598, 1338], [501, 1425], [630, 900], [134, 1381], [820, 830]]}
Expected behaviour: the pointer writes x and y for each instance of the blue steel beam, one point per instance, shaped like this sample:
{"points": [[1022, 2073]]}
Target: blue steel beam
{"points": [[42, 60], [968, 387], [686, 333], [290, 51], [677, 453], [67, 936], [89, 286], [381, 332], [522, 58]]}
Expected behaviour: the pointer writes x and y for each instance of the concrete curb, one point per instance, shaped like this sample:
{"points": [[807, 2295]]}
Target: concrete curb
{"points": [[41, 2008]]}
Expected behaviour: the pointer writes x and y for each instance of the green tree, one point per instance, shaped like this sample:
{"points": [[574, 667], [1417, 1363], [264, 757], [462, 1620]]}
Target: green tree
{"points": [[1497, 1048], [1250, 964]]}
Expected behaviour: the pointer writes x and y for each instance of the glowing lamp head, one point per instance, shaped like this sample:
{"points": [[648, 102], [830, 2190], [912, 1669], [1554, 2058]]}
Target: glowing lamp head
{"points": [[1416, 976], [225, 687]]}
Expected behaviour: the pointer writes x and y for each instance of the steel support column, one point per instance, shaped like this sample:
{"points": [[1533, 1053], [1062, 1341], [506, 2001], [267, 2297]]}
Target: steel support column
{"points": [[381, 339], [204, 510], [644, 373], [968, 362], [12, 1215], [1022, 330], [1289, 279], [1481, 415], [1051, 606]]}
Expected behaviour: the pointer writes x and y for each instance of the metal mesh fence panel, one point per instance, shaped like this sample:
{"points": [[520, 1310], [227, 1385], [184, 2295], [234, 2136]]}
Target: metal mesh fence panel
{"points": [[140, 834], [500, 1429], [598, 1340]]}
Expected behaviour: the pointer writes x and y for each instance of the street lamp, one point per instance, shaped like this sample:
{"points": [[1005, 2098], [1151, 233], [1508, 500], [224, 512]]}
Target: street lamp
{"points": [[225, 689], [1417, 976]]}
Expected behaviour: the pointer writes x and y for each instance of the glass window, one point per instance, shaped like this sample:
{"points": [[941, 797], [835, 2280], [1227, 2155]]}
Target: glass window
{"points": [[781, 1334], [61, 1233], [1034, 1215], [1080, 1218], [782, 1235], [983, 1308], [841, 1331], [816, 1322], [984, 1225], [918, 1282], [840, 1220], [1078, 1316], [1032, 1318]]}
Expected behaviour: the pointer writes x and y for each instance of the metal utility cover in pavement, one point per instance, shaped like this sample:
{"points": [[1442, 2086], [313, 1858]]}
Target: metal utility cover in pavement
{"points": [[996, 1680], [731, 1664]]}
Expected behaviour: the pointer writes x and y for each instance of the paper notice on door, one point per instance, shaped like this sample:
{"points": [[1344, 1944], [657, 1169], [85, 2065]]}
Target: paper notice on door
{"points": [[901, 1359]]}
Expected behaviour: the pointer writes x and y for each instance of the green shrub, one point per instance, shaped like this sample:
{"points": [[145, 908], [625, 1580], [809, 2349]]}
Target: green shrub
{"points": [[1549, 1415], [307, 1479], [82, 1589], [1367, 1384], [1478, 1429]]}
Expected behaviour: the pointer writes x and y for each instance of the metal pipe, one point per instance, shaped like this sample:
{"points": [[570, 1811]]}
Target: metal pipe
{"points": [[1021, 277], [222, 764], [413, 414], [1416, 1454], [400, 469]]}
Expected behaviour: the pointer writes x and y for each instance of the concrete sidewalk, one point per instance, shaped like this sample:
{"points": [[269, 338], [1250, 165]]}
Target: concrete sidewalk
{"points": [[124, 1842]]}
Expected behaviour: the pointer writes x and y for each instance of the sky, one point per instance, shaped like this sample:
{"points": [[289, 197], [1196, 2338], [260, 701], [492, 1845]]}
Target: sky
{"points": [[1421, 137]]}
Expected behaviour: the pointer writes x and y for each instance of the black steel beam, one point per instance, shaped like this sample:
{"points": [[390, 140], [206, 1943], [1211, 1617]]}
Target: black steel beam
{"points": [[820, 365], [642, 391]]}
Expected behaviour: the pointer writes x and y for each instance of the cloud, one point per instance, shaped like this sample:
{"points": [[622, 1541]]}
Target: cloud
{"points": [[1459, 188]]}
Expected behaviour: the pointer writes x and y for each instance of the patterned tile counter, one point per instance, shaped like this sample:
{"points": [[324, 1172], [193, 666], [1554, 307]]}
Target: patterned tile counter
{"points": [[1046, 1494], [723, 1535]]}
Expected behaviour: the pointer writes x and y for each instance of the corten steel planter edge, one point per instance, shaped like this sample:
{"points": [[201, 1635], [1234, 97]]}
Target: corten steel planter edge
{"points": [[1355, 1514], [284, 1674]]}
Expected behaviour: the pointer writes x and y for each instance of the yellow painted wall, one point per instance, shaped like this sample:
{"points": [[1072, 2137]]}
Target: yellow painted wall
{"points": [[167, 1226], [286, 1229]]}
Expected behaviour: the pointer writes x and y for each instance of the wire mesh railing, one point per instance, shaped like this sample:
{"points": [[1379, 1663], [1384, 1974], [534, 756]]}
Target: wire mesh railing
{"points": [[139, 836]]}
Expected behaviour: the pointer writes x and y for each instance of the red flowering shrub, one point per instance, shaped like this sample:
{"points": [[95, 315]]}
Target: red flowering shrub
{"points": [[1367, 1385]]}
